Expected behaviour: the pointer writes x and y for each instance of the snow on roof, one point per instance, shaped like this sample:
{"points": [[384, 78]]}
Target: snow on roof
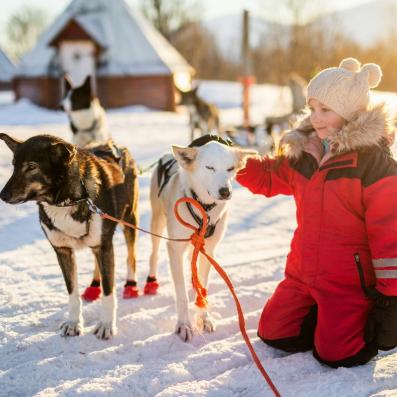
{"points": [[132, 46], [7, 68]]}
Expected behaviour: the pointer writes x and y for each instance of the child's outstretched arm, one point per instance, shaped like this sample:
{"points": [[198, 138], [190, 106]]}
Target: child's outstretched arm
{"points": [[267, 176]]}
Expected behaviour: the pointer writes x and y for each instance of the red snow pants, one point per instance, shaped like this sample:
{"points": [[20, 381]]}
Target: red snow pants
{"points": [[328, 318]]}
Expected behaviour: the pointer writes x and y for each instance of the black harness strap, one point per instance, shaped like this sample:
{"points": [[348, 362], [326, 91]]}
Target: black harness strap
{"points": [[108, 150], [202, 140], [164, 174], [75, 129], [207, 207]]}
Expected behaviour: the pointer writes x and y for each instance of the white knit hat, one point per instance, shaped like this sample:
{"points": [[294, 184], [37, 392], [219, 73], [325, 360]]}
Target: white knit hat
{"points": [[345, 89]]}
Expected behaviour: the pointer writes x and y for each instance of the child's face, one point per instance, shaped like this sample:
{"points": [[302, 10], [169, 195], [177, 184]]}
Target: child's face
{"points": [[324, 120]]}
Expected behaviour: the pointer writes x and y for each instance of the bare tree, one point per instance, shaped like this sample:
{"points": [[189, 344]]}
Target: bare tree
{"points": [[23, 29], [306, 44], [200, 49], [170, 15]]}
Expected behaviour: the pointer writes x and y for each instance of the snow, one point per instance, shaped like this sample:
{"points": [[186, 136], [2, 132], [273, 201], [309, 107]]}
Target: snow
{"points": [[145, 358]]}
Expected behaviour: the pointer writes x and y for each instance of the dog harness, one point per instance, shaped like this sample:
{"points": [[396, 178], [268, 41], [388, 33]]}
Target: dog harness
{"points": [[92, 127], [164, 173], [207, 207]]}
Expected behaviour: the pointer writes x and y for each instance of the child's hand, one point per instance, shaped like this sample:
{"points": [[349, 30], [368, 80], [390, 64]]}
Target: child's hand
{"points": [[381, 326]]}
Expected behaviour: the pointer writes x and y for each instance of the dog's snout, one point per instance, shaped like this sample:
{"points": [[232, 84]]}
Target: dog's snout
{"points": [[225, 193], [5, 195]]}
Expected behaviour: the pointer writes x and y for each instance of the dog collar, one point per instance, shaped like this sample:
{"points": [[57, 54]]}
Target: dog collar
{"points": [[207, 207], [69, 203]]}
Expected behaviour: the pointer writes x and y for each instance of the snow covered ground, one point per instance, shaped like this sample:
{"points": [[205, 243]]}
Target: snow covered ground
{"points": [[145, 358]]}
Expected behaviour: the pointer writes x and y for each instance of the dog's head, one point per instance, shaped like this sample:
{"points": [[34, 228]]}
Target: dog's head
{"points": [[211, 168], [76, 98], [188, 97], [40, 166]]}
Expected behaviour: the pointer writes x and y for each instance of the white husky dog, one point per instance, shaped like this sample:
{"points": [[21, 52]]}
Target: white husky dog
{"points": [[204, 173]]}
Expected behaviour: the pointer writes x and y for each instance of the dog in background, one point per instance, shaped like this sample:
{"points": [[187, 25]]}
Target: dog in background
{"points": [[86, 115], [204, 171], [62, 179], [203, 116]]}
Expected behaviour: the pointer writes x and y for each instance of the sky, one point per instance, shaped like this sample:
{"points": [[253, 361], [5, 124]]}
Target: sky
{"points": [[211, 8]]}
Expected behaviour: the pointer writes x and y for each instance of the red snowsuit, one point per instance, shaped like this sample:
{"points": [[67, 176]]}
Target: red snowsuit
{"points": [[347, 205]]}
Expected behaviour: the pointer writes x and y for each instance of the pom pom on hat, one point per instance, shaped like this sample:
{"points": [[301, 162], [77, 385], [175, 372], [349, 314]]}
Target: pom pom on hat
{"points": [[374, 73], [350, 64]]}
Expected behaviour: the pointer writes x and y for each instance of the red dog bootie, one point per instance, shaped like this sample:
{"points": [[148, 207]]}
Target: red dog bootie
{"points": [[93, 292], [130, 290], [151, 286]]}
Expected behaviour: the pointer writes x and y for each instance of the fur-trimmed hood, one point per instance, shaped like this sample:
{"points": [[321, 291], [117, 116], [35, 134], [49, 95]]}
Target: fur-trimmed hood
{"points": [[366, 129]]}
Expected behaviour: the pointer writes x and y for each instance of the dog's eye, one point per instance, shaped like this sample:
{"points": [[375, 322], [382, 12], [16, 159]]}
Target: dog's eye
{"points": [[230, 169], [31, 167], [210, 168]]}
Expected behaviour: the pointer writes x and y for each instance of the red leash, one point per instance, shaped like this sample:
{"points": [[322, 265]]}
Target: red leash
{"points": [[198, 241]]}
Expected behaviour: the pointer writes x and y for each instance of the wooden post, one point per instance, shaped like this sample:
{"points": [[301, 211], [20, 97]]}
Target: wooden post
{"points": [[246, 78]]}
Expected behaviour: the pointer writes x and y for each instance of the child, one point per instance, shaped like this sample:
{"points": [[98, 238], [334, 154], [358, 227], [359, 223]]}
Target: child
{"points": [[339, 294]]}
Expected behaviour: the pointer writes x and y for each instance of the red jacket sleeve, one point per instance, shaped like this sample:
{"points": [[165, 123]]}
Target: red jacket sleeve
{"points": [[265, 176], [381, 222]]}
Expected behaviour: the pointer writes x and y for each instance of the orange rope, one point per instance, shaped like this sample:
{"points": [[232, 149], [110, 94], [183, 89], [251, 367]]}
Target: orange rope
{"points": [[198, 241], [112, 218]]}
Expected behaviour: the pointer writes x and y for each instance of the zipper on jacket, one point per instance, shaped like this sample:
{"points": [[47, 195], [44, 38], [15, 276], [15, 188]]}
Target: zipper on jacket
{"points": [[361, 273]]}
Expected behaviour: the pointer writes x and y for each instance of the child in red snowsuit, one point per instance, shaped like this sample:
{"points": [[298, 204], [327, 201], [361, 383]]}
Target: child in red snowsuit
{"points": [[339, 294]]}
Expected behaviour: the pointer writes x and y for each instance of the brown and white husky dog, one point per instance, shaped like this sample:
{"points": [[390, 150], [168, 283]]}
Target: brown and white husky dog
{"points": [[62, 179]]}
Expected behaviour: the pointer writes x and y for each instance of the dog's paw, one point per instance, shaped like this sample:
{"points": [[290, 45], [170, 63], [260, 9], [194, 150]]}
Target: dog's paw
{"points": [[185, 331], [71, 328], [206, 324], [105, 330]]}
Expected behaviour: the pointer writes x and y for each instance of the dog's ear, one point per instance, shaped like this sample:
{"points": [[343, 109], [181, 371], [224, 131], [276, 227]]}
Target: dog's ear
{"points": [[12, 143], [62, 152], [86, 86], [184, 155], [67, 84], [242, 156]]}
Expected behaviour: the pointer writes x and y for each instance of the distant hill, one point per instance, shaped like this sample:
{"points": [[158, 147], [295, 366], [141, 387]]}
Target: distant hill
{"points": [[365, 24]]}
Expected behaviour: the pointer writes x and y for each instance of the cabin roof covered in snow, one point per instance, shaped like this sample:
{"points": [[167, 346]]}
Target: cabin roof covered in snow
{"points": [[131, 45], [7, 68]]}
